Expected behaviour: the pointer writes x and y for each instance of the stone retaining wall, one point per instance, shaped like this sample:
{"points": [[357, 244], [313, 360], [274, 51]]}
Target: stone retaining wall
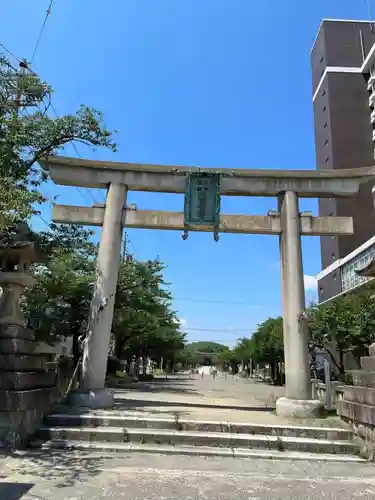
{"points": [[27, 397], [358, 403]]}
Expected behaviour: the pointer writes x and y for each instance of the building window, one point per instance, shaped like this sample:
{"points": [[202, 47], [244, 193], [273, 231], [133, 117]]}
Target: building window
{"points": [[349, 278], [327, 159], [320, 290], [325, 125], [333, 256], [334, 276], [324, 92], [321, 59], [324, 108], [326, 142]]}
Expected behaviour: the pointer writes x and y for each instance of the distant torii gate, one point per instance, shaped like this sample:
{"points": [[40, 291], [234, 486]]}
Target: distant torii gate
{"points": [[288, 223]]}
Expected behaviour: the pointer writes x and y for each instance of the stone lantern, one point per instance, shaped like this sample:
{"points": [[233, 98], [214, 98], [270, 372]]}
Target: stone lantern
{"points": [[15, 262], [25, 382]]}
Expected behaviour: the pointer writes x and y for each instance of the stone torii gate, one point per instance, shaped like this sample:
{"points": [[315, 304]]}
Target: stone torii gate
{"points": [[288, 186]]}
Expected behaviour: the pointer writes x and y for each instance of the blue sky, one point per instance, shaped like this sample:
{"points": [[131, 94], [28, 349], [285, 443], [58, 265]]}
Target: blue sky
{"points": [[214, 83]]}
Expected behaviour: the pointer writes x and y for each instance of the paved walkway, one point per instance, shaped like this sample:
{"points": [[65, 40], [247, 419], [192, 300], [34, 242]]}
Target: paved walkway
{"points": [[230, 399], [81, 475]]}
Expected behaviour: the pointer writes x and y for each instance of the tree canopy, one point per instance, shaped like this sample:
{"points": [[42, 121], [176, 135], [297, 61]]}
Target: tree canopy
{"points": [[26, 138], [195, 352], [344, 324], [58, 305], [144, 321]]}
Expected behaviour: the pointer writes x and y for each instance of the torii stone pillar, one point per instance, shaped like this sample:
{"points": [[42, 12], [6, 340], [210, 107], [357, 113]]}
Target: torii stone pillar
{"points": [[92, 392], [298, 401]]}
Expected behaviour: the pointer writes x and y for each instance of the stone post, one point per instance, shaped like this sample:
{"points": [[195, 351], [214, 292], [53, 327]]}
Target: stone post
{"points": [[328, 383], [298, 401], [284, 289], [93, 393]]}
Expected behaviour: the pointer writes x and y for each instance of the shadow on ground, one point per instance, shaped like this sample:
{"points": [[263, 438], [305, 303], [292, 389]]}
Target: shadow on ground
{"points": [[65, 467], [126, 404], [14, 491], [173, 386]]}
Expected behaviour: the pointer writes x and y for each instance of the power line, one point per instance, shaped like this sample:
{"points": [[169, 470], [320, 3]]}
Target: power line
{"points": [[79, 189], [209, 301], [54, 110], [131, 243], [48, 12], [234, 330], [10, 53]]}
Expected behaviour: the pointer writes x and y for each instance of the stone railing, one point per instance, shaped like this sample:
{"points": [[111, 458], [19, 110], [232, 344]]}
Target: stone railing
{"points": [[319, 391]]}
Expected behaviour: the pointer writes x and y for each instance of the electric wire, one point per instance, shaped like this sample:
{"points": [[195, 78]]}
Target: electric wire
{"points": [[48, 12], [10, 53], [213, 301], [79, 189], [233, 330], [79, 156]]}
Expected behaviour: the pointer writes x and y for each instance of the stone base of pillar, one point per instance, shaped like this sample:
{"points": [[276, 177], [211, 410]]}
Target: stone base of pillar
{"points": [[94, 399], [299, 408]]}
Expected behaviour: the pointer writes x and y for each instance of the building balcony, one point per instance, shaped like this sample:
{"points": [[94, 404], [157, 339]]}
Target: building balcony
{"points": [[372, 117], [373, 135], [371, 99]]}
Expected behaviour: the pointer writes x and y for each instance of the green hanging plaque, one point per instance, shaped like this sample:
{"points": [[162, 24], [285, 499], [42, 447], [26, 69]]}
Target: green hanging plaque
{"points": [[202, 201]]}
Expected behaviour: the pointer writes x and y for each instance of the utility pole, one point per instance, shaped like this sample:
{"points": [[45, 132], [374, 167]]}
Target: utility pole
{"points": [[20, 88], [123, 253]]}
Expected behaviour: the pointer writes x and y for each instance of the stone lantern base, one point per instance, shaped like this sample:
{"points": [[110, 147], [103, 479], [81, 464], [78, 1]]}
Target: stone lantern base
{"points": [[29, 385]]}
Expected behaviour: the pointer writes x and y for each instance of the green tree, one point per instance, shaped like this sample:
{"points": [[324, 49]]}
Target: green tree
{"points": [[25, 139], [57, 306], [267, 345], [194, 352], [144, 322], [344, 324]]}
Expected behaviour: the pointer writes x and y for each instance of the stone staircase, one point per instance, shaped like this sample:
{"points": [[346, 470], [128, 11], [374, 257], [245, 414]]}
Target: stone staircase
{"points": [[124, 433], [358, 403]]}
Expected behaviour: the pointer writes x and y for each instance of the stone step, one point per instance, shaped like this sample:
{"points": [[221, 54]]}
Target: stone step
{"points": [[359, 394], [182, 438], [107, 420], [363, 378], [357, 412], [368, 363], [126, 448]]}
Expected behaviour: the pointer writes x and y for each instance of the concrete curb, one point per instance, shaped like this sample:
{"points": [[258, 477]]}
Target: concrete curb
{"points": [[126, 448]]}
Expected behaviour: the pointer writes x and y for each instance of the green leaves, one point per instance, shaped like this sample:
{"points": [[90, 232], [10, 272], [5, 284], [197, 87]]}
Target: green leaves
{"points": [[25, 138], [58, 305], [346, 323], [144, 320]]}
